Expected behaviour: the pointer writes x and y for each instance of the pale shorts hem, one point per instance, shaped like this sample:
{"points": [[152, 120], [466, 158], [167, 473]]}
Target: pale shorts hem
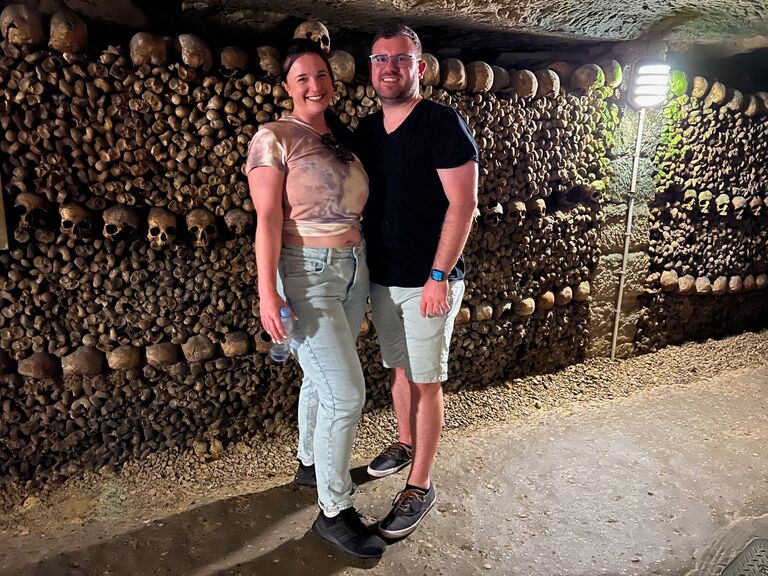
{"points": [[420, 377], [419, 346]]}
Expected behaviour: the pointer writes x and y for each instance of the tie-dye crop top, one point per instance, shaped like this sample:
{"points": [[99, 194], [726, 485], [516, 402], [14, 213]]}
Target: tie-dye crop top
{"points": [[322, 195]]}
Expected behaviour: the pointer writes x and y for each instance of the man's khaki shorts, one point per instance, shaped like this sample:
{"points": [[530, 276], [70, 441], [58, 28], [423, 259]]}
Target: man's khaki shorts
{"points": [[409, 341]]}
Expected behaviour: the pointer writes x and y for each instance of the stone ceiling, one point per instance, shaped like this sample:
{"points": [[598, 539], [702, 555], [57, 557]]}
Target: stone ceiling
{"points": [[728, 26], [517, 30], [723, 26]]}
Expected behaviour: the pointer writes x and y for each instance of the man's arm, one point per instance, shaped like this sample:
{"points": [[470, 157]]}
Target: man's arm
{"points": [[460, 186]]}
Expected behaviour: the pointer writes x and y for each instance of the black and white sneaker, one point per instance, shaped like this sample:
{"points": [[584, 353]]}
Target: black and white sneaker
{"points": [[305, 476], [347, 532], [393, 458], [408, 509]]}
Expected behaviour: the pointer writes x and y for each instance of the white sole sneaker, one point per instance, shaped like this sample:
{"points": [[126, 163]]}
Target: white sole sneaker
{"points": [[388, 471], [405, 531]]}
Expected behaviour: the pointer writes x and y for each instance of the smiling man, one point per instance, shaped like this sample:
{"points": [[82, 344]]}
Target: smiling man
{"points": [[422, 167]]}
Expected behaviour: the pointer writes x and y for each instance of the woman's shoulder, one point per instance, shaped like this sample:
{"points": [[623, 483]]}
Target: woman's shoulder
{"points": [[278, 127], [281, 132]]}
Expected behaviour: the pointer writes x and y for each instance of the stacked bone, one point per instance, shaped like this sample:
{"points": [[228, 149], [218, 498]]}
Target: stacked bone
{"points": [[709, 221], [132, 233]]}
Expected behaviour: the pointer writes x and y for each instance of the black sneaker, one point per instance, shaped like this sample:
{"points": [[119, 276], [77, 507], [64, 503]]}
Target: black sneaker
{"points": [[347, 532], [393, 459], [408, 509], [305, 476]]}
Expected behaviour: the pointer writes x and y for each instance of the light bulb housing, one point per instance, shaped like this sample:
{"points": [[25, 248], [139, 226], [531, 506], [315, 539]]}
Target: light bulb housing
{"points": [[649, 84]]}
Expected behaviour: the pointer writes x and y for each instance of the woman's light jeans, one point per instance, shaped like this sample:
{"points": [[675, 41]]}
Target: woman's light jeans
{"points": [[327, 289]]}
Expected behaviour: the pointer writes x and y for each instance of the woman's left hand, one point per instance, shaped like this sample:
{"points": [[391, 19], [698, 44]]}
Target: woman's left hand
{"points": [[269, 313]]}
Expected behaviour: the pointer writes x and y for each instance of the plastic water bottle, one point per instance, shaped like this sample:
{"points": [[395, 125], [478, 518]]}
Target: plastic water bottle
{"points": [[280, 351]]}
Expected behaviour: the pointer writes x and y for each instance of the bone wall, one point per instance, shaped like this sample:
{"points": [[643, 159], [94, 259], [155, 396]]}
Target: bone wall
{"points": [[708, 237], [127, 300]]}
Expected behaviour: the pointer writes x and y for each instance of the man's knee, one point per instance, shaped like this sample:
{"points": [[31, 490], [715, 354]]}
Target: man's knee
{"points": [[429, 390], [399, 375]]}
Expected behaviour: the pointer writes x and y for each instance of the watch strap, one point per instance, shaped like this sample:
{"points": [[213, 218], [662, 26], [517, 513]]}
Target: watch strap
{"points": [[438, 275]]}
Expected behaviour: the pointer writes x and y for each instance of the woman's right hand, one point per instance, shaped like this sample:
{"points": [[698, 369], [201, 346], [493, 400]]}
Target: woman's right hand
{"points": [[269, 312]]}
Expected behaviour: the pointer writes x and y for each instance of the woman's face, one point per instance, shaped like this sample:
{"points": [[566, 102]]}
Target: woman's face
{"points": [[309, 84]]}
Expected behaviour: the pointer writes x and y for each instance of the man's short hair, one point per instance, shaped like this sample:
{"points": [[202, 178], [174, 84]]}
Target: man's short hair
{"points": [[395, 30]]}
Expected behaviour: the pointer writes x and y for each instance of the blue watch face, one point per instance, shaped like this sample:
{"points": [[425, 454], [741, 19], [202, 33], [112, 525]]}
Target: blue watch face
{"points": [[438, 275]]}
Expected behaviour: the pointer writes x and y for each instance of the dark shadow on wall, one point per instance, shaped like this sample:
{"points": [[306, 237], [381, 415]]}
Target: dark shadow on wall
{"points": [[249, 535], [669, 319]]}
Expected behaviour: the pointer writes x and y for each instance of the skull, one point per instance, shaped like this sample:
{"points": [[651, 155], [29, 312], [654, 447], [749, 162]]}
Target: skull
{"points": [[536, 207], [21, 25], [194, 52], [479, 77], [68, 32], [316, 31], [232, 59], [162, 228], [120, 219], [31, 210], [756, 206], [74, 221], [723, 204], [705, 201], [202, 224], [549, 83], [342, 66], [269, 60], [739, 206], [689, 200], [494, 214], [148, 48], [238, 221], [516, 212]]}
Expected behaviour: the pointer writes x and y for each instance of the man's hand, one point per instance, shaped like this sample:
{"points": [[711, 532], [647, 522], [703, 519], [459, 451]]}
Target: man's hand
{"points": [[269, 312], [434, 299]]}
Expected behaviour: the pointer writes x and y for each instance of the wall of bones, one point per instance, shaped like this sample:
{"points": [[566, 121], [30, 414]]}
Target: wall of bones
{"points": [[708, 246], [127, 295]]}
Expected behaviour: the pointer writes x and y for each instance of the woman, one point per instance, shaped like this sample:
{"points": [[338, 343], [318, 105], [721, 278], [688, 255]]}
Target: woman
{"points": [[309, 193]]}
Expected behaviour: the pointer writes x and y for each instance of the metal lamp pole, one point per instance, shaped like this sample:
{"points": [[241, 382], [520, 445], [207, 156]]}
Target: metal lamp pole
{"points": [[628, 233]]}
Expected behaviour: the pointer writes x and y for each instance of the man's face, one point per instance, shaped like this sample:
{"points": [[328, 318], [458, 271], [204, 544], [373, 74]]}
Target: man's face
{"points": [[392, 82]]}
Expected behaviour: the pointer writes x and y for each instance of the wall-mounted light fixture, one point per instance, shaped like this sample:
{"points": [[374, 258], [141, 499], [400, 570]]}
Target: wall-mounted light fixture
{"points": [[649, 84]]}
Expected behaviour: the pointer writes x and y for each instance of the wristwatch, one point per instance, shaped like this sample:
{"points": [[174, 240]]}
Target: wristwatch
{"points": [[437, 275]]}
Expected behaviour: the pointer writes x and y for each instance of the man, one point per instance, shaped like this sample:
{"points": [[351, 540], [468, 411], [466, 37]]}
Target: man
{"points": [[422, 166]]}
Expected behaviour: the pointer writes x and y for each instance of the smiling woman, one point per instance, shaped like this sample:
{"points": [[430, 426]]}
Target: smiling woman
{"points": [[309, 82], [309, 193]]}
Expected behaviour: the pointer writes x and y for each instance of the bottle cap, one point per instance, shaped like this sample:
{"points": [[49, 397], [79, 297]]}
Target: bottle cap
{"points": [[285, 312]]}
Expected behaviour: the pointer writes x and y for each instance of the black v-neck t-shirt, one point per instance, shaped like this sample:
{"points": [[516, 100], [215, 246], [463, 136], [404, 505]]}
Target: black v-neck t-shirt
{"points": [[406, 205]]}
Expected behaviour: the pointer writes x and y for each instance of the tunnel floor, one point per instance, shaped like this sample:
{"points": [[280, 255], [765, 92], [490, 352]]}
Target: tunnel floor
{"points": [[665, 479]]}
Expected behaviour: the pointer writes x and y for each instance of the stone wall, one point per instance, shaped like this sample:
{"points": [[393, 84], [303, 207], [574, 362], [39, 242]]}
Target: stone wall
{"points": [[612, 234]]}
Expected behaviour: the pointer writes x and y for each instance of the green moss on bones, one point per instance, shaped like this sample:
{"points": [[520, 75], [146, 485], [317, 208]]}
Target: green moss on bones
{"points": [[678, 83]]}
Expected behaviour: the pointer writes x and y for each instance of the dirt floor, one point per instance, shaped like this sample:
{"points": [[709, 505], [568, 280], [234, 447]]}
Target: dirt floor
{"points": [[653, 465]]}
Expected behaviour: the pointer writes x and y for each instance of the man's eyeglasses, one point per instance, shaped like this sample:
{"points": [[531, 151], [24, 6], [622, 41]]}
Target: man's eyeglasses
{"points": [[341, 153], [400, 60]]}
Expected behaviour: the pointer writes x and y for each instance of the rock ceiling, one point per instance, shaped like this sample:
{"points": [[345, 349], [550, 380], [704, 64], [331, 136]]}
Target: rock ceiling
{"points": [[713, 27], [732, 25]]}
